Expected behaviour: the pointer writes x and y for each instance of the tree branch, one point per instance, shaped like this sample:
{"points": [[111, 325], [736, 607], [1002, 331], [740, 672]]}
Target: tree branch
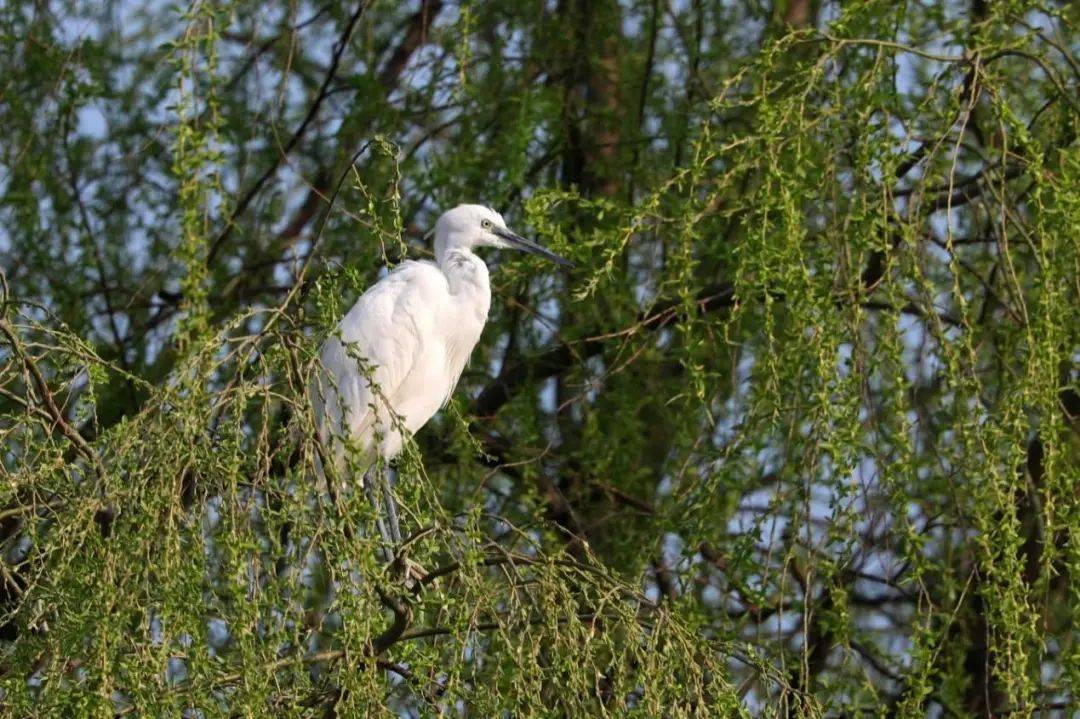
{"points": [[331, 73]]}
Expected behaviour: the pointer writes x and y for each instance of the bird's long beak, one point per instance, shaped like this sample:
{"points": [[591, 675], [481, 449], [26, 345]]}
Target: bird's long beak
{"points": [[520, 243]]}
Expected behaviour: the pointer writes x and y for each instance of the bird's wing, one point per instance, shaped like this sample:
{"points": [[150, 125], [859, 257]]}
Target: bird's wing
{"points": [[374, 349]]}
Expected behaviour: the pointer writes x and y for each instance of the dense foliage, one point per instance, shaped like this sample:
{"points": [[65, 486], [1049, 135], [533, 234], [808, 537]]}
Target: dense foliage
{"points": [[798, 437]]}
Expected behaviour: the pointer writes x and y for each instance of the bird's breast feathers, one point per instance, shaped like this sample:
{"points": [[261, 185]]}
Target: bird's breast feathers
{"points": [[433, 314], [403, 346]]}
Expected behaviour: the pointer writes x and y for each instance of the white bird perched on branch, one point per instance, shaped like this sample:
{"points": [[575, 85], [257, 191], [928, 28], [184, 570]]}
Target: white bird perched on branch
{"points": [[396, 356]]}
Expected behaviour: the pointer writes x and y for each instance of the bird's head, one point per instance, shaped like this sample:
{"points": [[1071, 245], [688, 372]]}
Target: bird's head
{"points": [[469, 226]]}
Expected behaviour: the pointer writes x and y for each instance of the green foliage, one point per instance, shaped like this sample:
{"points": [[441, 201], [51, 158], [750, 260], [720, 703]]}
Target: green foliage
{"points": [[798, 436]]}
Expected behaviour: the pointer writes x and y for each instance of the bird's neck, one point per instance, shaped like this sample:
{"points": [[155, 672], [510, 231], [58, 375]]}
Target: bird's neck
{"points": [[467, 276], [448, 243]]}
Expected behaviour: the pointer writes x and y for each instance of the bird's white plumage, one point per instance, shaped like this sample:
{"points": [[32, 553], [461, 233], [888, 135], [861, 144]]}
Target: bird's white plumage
{"points": [[397, 355], [395, 358]]}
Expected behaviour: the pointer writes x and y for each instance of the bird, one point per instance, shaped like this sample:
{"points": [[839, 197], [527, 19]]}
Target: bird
{"points": [[395, 358]]}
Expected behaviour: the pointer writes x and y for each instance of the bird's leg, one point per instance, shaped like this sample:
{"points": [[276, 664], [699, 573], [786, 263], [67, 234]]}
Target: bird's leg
{"points": [[391, 505], [373, 497], [386, 521], [412, 570]]}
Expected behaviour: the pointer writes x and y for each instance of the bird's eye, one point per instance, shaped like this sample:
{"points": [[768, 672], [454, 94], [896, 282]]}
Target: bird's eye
{"points": [[486, 224]]}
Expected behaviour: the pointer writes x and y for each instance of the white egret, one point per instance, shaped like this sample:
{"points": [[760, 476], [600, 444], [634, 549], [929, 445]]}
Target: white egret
{"points": [[396, 356]]}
